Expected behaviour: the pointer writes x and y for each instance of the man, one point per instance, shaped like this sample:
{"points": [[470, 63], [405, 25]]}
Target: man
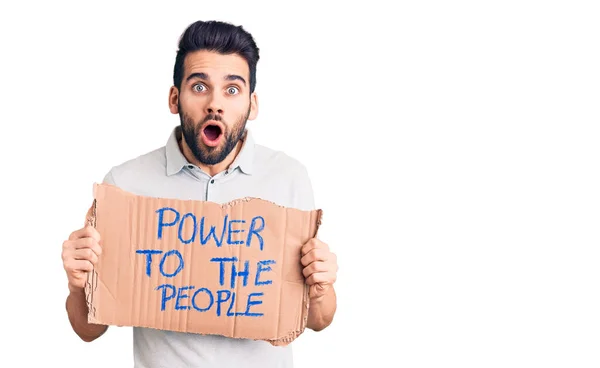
{"points": [[211, 156]]}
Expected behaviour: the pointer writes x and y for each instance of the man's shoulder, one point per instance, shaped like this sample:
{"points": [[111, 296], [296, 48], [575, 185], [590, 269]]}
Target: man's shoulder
{"points": [[269, 159], [141, 167], [287, 171]]}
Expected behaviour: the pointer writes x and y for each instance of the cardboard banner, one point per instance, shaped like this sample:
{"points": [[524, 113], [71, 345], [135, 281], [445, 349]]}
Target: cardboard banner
{"points": [[196, 266]]}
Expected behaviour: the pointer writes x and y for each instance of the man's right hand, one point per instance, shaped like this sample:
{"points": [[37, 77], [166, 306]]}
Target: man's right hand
{"points": [[80, 254]]}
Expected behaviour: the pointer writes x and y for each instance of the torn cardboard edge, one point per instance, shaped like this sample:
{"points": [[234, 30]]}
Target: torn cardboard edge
{"points": [[94, 299]]}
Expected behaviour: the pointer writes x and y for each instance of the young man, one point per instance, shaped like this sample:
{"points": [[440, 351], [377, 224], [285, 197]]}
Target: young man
{"points": [[209, 156]]}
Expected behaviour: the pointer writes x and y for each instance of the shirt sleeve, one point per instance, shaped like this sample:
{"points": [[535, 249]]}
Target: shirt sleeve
{"points": [[304, 198], [109, 179]]}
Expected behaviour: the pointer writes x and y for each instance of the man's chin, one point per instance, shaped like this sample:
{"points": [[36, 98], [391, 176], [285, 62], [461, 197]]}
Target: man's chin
{"points": [[211, 160], [210, 155], [211, 150]]}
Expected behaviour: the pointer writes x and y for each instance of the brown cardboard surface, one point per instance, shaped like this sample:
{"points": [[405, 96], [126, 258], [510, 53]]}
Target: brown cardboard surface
{"points": [[188, 286]]}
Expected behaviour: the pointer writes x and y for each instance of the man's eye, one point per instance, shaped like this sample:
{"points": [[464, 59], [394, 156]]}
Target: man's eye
{"points": [[232, 90], [198, 87]]}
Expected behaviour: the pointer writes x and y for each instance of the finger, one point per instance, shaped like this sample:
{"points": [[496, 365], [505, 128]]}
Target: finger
{"points": [[78, 248], [313, 243], [85, 232], [80, 277], [75, 265], [85, 254], [79, 281], [314, 267], [317, 291], [314, 255], [88, 243], [84, 243], [320, 278]]}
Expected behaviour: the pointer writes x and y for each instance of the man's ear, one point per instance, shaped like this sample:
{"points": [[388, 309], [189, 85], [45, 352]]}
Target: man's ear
{"points": [[174, 100], [253, 107]]}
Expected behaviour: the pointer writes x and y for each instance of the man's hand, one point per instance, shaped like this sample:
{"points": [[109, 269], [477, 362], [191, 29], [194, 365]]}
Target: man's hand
{"points": [[320, 268], [80, 253]]}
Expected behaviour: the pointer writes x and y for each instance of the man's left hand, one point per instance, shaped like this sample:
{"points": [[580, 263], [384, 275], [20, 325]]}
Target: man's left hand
{"points": [[320, 267]]}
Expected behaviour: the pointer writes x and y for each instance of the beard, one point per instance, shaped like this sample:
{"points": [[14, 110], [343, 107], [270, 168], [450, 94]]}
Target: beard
{"points": [[211, 155]]}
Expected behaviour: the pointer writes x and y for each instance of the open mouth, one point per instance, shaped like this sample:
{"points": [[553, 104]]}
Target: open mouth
{"points": [[211, 134]]}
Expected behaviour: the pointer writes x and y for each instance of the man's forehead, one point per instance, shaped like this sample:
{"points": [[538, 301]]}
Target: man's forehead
{"points": [[215, 64]]}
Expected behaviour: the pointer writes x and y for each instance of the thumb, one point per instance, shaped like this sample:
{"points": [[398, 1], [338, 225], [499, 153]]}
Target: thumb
{"points": [[316, 290]]}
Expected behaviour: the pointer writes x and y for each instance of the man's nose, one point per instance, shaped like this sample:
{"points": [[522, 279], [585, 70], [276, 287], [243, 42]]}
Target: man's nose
{"points": [[215, 105]]}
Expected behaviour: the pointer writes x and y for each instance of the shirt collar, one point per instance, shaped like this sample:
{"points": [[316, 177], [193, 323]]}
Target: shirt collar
{"points": [[177, 161]]}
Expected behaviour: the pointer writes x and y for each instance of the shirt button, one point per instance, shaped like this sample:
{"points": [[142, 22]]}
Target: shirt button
{"points": [[212, 181]]}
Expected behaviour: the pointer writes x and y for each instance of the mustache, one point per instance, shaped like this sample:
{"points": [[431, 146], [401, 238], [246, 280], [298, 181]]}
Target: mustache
{"points": [[212, 117]]}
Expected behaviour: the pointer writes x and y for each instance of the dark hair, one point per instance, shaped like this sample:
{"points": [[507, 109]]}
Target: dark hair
{"points": [[224, 38]]}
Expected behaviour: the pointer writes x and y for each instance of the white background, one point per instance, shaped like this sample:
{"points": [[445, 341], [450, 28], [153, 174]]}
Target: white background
{"points": [[453, 146]]}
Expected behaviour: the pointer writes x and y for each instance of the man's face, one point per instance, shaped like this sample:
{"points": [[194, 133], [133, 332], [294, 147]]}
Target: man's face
{"points": [[214, 103]]}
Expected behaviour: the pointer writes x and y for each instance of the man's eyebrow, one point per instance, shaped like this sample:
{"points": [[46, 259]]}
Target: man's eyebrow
{"points": [[199, 76], [232, 77], [204, 76]]}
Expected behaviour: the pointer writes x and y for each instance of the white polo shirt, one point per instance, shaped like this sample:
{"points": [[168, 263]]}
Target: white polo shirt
{"points": [[257, 171]]}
